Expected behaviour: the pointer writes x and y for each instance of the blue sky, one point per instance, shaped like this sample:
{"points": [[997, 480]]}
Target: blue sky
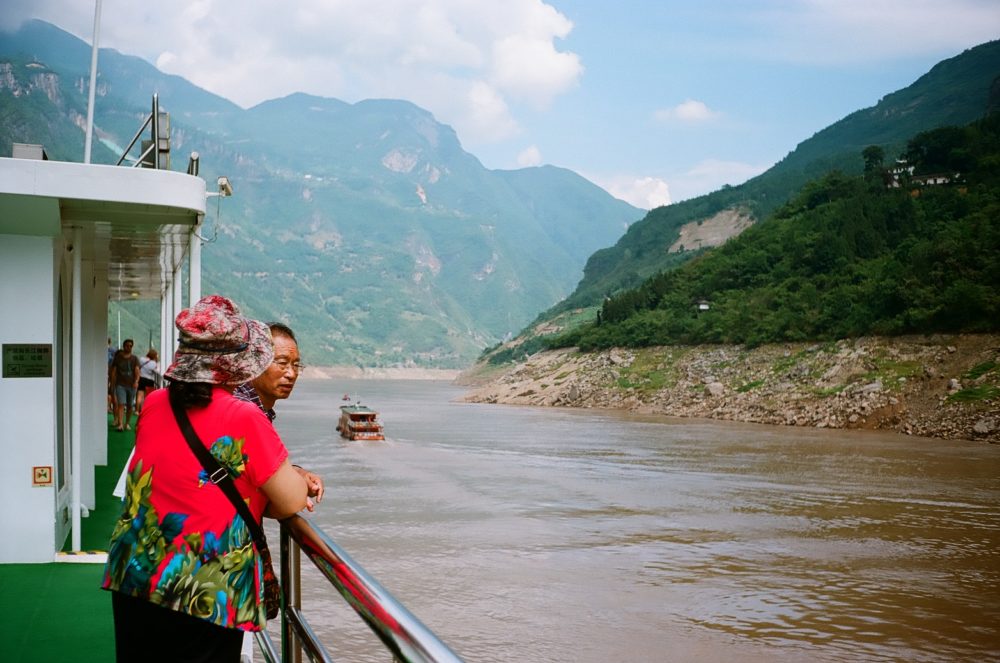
{"points": [[656, 101]]}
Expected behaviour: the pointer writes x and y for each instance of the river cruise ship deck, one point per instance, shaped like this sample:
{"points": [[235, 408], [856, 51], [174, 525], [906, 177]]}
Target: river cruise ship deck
{"points": [[74, 237]]}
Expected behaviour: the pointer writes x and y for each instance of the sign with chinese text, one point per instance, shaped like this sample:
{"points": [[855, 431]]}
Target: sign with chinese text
{"points": [[27, 360]]}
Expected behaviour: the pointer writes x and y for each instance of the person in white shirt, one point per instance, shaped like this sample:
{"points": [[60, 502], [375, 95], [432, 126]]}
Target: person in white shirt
{"points": [[149, 371]]}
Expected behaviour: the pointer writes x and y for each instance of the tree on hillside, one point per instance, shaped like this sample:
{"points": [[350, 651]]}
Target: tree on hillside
{"points": [[944, 150], [874, 157]]}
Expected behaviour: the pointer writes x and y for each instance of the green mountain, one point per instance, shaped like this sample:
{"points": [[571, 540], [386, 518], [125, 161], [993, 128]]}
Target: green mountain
{"points": [[893, 251], [954, 92], [365, 226]]}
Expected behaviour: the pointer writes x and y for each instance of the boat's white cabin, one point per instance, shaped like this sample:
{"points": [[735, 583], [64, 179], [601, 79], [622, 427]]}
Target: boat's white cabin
{"points": [[73, 236]]}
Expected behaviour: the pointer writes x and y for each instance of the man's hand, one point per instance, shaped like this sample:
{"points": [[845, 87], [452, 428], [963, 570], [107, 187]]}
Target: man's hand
{"points": [[315, 484]]}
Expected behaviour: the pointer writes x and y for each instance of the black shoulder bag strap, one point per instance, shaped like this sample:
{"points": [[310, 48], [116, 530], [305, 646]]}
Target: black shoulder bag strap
{"points": [[219, 475]]}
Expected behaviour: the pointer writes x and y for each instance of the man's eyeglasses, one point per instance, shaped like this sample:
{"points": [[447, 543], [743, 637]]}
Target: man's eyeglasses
{"points": [[285, 364]]}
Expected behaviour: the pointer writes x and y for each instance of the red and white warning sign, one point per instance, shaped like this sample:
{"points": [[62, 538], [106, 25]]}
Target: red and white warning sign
{"points": [[41, 475]]}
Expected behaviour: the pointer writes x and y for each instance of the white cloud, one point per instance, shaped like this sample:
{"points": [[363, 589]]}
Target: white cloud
{"points": [[532, 69], [484, 113], [165, 61], [530, 156], [648, 192], [471, 64], [689, 110], [644, 192]]}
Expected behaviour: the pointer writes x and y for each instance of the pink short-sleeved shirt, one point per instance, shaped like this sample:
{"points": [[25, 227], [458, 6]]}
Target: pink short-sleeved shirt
{"points": [[179, 542]]}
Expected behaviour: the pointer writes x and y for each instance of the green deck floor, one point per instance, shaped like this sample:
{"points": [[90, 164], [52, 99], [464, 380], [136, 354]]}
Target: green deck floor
{"points": [[97, 526], [57, 612]]}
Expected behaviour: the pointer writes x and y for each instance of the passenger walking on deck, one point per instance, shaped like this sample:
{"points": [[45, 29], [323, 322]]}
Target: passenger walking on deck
{"points": [[125, 379], [149, 370], [186, 577]]}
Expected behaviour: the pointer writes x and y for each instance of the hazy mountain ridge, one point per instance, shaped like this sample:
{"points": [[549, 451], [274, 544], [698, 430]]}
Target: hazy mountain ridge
{"points": [[366, 226]]}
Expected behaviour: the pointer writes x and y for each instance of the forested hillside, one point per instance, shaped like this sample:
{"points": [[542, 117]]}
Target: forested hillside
{"points": [[953, 93], [914, 247]]}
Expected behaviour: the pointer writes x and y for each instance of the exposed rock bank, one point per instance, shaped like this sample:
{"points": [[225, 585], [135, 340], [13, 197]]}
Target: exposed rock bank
{"points": [[938, 386]]}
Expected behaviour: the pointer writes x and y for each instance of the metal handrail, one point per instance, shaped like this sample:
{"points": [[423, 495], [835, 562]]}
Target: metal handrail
{"points": [[154, 147], [400, 631]]}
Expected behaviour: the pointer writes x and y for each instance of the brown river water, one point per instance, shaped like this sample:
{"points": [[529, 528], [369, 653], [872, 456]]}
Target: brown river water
{"points": [[541, 534]]}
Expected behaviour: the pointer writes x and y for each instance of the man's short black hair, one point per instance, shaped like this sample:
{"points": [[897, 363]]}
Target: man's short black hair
{"points": [[281, 329]]}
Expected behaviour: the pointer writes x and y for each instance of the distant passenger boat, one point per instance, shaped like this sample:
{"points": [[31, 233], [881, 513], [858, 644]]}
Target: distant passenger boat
{"points": [[358, 422]]}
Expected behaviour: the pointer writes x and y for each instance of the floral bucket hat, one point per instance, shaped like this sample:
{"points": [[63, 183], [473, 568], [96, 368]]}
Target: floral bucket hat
{"points": [[218, 345]]}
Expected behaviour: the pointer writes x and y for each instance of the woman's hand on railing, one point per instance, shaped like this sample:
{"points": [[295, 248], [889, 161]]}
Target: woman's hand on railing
{"points": [[315, 484]]}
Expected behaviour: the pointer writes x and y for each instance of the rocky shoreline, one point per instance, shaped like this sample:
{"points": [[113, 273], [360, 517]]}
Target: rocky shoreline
{"points": [[945, 386]]}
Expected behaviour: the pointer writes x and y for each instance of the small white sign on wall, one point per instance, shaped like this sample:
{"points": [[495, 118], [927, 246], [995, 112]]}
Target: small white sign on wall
{"points": [[41, 475]]}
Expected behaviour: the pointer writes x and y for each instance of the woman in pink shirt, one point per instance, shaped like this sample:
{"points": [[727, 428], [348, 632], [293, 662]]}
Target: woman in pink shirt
{"points": [[185, 574]]}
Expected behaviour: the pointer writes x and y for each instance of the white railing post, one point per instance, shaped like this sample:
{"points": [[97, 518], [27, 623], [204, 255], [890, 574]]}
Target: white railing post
{"points": [[76, 393]]}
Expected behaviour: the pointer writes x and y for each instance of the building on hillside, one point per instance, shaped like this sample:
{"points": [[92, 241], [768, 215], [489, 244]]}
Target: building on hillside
{"points": [[898, 174], [901, 175], [935, 179]]}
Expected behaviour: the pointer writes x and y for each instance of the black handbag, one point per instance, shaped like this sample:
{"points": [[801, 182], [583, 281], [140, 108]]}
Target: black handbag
{"points": [[220, 477]]}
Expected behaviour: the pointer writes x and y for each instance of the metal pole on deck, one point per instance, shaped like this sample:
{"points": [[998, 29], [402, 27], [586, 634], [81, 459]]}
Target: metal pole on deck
{"points": [[166, 352], [194, 267], [178, 297], [76, 398], [176, 302], [93, 84], [168, 302]]}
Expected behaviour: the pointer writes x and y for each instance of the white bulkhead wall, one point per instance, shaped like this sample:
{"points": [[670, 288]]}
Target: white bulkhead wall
{"points": [[28, 405], [45, 207], [36, 412]]}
